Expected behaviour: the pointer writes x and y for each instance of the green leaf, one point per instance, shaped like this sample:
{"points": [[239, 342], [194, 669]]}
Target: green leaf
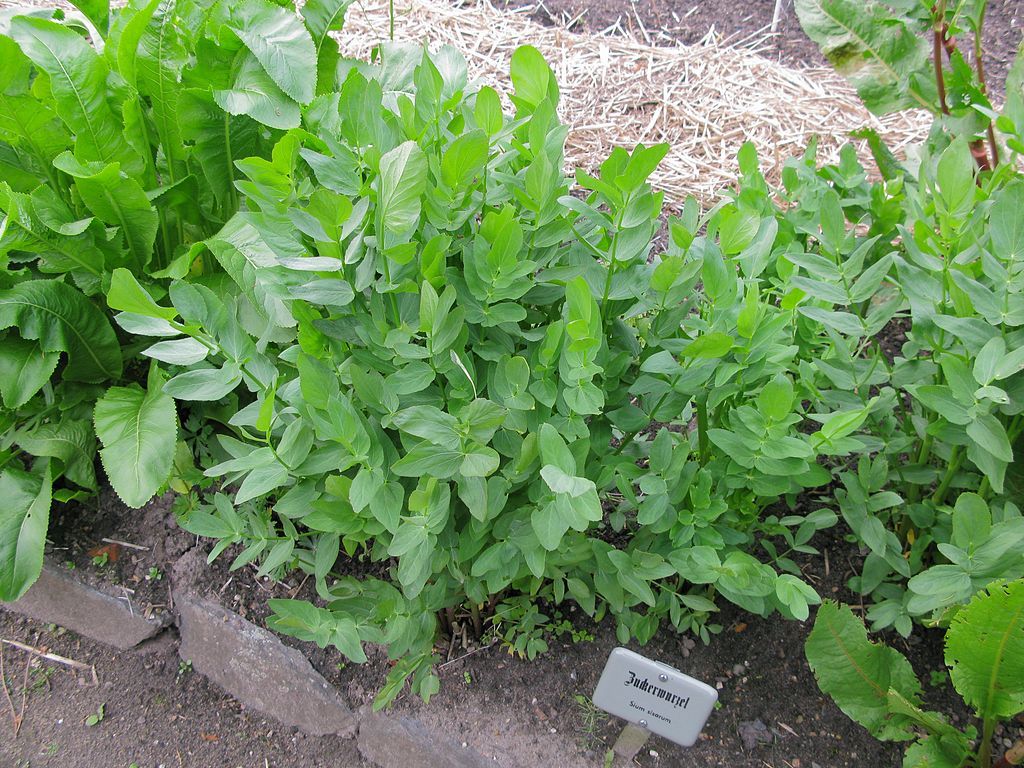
{"points": [[281, 44], [985, 651], [203, 384], [116, 200], [487, 111], [532, 78], [71, 442], [127, 295], [1006, 225], [710, 345], [880, 54], [24, 518], [858, 674], [988, 432], [63, 320], [24, 369], [402, 181], [955, 177], [254, 93], [464, 159], [77, 78], [135, 427]]}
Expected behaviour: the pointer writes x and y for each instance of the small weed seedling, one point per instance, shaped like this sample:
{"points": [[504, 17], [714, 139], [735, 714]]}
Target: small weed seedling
{"points": [[97, 717], [101, 560], [184, 668], [154, 574], [467, 678]]}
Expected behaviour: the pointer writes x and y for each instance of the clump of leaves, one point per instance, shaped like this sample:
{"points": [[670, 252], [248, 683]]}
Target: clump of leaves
{"points": [[876, 686], [430, 355]]}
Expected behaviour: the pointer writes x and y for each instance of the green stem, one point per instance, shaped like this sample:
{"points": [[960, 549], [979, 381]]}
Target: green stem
{"points": [[985, 748], [628, 437], [702, 429], [954, 464]]}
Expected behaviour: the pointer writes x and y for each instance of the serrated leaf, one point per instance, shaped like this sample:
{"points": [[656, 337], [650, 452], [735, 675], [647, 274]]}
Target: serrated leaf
{"points": [[858, 674], [985, 651], [24, 518], [135, 427], [63, 320], [281, 44], [24, 369]]}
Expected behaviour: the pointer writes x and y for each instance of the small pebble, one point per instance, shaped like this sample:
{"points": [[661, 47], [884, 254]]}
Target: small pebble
{"points": [[654, 753], [738, 669], [552, 730]]}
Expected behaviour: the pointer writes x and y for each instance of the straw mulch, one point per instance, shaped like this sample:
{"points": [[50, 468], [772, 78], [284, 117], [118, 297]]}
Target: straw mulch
{"points": [[705, 100]]}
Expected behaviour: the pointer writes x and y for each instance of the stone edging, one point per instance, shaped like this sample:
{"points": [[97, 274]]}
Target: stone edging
{"points": [[248, 662]]}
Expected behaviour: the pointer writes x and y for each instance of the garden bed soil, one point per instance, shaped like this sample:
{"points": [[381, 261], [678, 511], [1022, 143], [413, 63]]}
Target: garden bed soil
{"points": [[514, 712], [747, 24]]}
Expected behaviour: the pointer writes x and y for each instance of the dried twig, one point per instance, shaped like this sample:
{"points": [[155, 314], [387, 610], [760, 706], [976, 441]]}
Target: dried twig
{"points": [[125, 544], [54, 658]]}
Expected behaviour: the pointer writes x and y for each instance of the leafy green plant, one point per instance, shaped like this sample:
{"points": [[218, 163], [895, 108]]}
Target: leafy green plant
{"points": [[119, 131], [905, 54], [430, 355], [876, 686], [96, 717]]}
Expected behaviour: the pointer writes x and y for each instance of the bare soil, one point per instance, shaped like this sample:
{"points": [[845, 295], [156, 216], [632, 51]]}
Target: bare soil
{"points": [[519, 713], [748, 24]]}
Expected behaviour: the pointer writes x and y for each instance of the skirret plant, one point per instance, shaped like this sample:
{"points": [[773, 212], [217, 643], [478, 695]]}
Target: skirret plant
{"points": [[426, 354], [876, 686]]}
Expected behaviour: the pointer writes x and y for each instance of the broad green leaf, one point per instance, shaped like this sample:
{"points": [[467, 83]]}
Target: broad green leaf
{"points": [[116, 200], [127, 295], [254, 93], [185, 351], [323, 17], [1006, 226], [403, 178], [281, 44], [487, 111], [985, 651], [989, 433], [135, 427], [203, 384], [71, 442], [532, 78], [77, 78], [877, 52], [464, 159], [710, 345], [858, 674], [24, 369], [955, 177], [63, 320], [24, 518]]}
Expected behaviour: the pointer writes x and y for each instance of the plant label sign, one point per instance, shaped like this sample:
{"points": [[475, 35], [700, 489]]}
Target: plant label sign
{"points": [[655, 696]]}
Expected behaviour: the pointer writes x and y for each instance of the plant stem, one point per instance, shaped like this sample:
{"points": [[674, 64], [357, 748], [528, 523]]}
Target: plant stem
{"points": [[938, 35], [391, 20], [985, 748], [954, 464], [979, 63], [702, 429]]}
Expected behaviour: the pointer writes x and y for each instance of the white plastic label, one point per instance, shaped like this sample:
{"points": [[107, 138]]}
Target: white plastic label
{"points": [[655, 696]]}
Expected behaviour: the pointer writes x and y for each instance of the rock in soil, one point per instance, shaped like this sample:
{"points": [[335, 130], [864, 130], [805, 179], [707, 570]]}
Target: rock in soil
{"points": [[401, 742], [58, 598], [256, 668]]}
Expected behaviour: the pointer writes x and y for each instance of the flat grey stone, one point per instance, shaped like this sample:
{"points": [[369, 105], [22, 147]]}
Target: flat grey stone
{"points": [[59, 598], [401, 742], [255, 667]]}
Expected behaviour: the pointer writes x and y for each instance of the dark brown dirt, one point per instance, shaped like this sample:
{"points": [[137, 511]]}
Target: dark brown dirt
{"points": [[747, 24], [156, 713], [519, 713]]}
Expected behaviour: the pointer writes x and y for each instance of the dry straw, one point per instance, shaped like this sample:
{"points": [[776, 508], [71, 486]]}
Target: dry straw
{"points": [[705, 100]]}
